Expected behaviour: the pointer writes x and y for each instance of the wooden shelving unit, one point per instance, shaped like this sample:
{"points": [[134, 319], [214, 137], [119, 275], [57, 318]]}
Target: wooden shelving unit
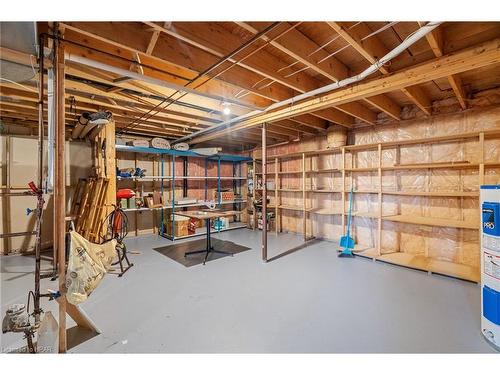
{"points": [[309, 169]]}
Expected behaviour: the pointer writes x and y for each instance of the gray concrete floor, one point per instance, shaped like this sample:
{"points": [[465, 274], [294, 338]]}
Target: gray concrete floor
{"points": [[307, 301]]}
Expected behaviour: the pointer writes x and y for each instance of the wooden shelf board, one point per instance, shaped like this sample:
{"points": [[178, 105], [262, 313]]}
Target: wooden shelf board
{"points": [[488, 134], [333, 170], [292, 208], [418, 262], [458, 165], [371, 215], [423, 263], [326, 211], [434, 193], [364, 252], [325, 191], [149, 178], [460, 271], [431, 221], [363, 191], [367, 169]]}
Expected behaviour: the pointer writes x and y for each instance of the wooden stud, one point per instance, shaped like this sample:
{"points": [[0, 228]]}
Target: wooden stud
{"points": [[276, 192], [304, 207], [264, 193], [60, 192], [379, 224]]}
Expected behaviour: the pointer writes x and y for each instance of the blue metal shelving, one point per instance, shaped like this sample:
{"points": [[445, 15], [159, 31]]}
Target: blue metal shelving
{"points": [[219, 158]]}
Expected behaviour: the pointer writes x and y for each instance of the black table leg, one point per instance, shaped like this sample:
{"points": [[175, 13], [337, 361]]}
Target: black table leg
{"points": [[209, 249]]}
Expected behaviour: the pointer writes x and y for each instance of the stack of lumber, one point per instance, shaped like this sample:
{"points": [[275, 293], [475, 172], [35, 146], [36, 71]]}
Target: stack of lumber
{"points": [[89, 208]]}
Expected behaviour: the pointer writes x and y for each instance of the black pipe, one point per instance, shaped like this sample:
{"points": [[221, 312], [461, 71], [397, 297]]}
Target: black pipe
{"points": [[39, 213]]}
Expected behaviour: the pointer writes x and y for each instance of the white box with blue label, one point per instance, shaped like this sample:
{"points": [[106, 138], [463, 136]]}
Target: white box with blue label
{"points": [[490, 263]]}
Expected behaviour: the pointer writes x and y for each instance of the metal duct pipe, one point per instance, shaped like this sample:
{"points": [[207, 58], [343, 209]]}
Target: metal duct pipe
{"points": [[410, 40], [49, 184], [154, 81]]}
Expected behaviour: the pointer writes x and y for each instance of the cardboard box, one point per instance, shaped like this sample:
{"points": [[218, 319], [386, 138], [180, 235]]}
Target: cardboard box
{"points": [[180, 227], [225, 196]]}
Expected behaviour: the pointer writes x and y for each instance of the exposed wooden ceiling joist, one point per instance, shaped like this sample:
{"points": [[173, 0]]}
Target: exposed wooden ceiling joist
{"points": [[372, 49], [298, 46], [474, 57], [435, 40]]}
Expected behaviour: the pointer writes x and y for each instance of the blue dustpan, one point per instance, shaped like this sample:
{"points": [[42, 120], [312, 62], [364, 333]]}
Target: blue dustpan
{"points": [[347, 242]]}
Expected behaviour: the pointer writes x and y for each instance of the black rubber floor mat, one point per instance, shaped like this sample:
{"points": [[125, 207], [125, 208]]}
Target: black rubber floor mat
{"points": [[176, 251]]}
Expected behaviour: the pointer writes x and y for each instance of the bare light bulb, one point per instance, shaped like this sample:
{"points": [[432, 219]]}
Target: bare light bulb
{"points": [[226, 110]]}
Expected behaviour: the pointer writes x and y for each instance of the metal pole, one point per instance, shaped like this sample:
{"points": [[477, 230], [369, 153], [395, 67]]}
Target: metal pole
{"points": [[185, 181], [218, 183], [161, 226], [173, 198], [39, 216], [206, 179], [264, 193]]}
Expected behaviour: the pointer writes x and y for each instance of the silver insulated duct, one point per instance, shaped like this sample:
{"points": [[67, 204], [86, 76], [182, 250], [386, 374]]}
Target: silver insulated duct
{"points": [[18, 36]]}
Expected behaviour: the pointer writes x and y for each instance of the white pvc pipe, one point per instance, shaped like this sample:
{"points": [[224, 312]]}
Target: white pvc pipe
{"points": [[410, 40]]}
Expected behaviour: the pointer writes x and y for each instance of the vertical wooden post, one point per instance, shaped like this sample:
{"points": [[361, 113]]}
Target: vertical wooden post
{"points": [[254, 178], [276, 197], [379, 224], [264, 193], [110, 165], [59, 191], [342, 191], [304, 215], [481, 159]]}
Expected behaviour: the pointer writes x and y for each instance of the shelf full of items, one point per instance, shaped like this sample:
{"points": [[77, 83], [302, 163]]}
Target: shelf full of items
{"points": [[184, 180]]}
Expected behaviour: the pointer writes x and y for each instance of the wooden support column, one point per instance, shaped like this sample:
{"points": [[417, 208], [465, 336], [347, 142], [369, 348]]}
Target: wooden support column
{"points": [[254, 177], [379, 224], [264, 193], [481, 159], [343, 191], [276, 197], [110, 165], [59, 191], [304, 214]]}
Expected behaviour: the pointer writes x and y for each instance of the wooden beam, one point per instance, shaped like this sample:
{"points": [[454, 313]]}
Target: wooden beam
{"points": [[60, 192], [152, 42], [435, 40], [264, 63], [474, 57], [336, 116], [359, 111], [386, 105], [171, 66], [301, 48], [295, 125], [419, 97], [219, 41], [372, 49], [458, 89]]}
